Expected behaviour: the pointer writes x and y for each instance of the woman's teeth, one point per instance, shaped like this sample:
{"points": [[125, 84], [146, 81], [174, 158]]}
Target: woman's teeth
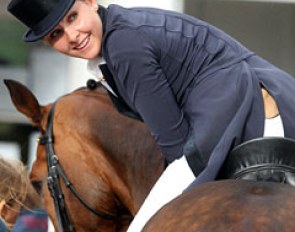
{"points": [[83, 44]]}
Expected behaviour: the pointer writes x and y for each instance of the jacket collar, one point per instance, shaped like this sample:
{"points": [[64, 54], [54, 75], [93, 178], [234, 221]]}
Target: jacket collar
{"points": [[102, 12]]}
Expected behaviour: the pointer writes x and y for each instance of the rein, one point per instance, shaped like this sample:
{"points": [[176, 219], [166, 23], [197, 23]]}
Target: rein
{"points": [[55, 171]]}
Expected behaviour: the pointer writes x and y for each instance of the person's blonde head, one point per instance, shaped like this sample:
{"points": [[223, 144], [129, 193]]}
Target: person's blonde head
{"points": [[13, 179], [16, 189]]}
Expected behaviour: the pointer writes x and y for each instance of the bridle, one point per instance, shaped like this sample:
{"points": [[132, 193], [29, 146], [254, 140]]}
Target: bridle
{"points": [[55, 174]]}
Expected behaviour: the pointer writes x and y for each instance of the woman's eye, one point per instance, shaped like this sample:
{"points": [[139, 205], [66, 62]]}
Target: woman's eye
{"points": [[73, 16], [55, 34]]}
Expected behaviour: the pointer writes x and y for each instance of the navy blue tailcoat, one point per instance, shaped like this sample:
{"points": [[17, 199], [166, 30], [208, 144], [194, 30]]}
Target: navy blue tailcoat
{"points": [[187, 78]]}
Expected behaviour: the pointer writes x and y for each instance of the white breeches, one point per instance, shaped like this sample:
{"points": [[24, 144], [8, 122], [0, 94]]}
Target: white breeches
{"points": [[176, 178]]}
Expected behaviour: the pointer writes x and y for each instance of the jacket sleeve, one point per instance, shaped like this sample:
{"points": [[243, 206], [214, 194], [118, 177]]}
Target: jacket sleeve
{"points": [[135, 61]]}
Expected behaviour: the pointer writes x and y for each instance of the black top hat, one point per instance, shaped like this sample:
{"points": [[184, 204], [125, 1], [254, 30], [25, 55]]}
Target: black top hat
{"points": [[41, 16]]}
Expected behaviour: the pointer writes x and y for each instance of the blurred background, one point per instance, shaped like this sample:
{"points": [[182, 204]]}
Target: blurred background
{"points": [[266, 27]]}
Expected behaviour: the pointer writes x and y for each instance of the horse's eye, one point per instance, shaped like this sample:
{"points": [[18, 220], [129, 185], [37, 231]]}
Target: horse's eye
{"points": [[37, 186]]}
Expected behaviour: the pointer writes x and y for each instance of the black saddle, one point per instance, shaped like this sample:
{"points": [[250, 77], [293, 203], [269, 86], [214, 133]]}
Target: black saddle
{"points": [[263, 159]]}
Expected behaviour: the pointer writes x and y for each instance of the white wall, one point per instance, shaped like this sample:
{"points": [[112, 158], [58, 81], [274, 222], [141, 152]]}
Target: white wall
{"points": [[9, 150], [176, 5]]}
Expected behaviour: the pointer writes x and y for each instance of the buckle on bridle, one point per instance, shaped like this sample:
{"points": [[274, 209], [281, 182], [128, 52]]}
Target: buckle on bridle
{"points": [[43, 140]]}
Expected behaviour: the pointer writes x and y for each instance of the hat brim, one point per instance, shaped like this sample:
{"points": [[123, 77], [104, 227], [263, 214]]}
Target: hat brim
{"points": [[49, 22]]}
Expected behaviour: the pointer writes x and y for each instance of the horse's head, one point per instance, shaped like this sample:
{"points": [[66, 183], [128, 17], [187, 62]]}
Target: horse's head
{"points": [[111, 160]]}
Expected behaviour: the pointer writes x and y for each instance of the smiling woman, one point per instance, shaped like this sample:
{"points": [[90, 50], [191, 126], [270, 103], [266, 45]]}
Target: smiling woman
{"points": [[76, 35]]}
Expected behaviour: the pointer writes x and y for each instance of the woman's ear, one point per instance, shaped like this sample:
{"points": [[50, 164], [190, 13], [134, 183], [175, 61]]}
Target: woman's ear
{"points": [[94, 4], [96, 7]]}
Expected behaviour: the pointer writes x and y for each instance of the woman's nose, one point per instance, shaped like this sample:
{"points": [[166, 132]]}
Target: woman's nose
{"points": [[72, 34]]}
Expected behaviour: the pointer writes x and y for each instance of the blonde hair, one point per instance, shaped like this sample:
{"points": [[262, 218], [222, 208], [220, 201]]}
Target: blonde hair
{"points": [[15, 184]]}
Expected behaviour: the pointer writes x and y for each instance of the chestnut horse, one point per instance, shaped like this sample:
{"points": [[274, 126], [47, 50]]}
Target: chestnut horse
{"points": [[110, 159]]}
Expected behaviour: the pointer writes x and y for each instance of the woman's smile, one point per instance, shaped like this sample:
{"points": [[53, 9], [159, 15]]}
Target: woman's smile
{"points": [[84, 44]]}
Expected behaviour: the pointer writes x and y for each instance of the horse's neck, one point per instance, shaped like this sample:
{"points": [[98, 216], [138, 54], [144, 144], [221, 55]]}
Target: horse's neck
{"points": [[128, 146], [132, 149]]}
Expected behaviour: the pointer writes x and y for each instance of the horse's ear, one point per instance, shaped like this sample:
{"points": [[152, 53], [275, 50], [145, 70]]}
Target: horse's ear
{"points": [[24, 100]]}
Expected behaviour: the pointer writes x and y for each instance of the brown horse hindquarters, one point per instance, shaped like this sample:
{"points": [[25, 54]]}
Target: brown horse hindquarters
{"points": [[231, 206]]}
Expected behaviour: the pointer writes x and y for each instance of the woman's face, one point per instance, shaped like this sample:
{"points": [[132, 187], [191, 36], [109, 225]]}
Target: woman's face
{"points": [[79, 34]]}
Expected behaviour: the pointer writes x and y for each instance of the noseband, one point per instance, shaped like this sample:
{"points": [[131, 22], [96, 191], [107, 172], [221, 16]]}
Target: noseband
{"points": [[55, 174]]}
